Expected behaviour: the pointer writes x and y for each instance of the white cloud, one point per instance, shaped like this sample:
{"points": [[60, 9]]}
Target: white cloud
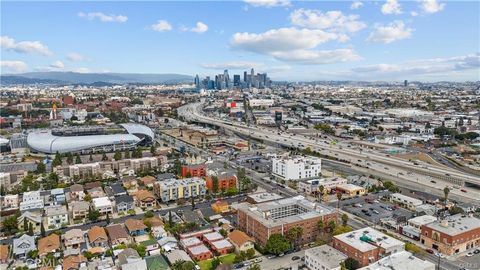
{"points": [[161, 26], [103, 17], [314, 57], [57, 65], [13, 66], [422, 67], [76, 57], [432, 6], [390, 33], [282, 39], [233, 65], [268, 3], [356, 5], [200, 27], [391, 7], [414, 14], [330, 20], [294, 45], [24, 46]]}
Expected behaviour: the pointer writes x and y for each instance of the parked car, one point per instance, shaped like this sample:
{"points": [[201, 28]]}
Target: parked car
{"points": [[429, 251], [294, 258]]}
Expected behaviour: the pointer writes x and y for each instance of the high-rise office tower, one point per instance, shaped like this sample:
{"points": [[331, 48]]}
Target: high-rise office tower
{"points": [[405, 83], [197, 82], [226, 78], [245, 76], [236, 80]]}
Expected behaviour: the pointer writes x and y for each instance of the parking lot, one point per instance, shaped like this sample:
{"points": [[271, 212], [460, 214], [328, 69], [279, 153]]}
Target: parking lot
{"points": [[373, 209]]}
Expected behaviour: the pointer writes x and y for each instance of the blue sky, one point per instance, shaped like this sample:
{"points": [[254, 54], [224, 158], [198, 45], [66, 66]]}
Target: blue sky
{"points": [[428, 40]]}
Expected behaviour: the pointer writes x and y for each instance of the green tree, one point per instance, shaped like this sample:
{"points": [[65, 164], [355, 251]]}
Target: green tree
{"points": [[41, 167], [214, 184], [446, 191], [339, 198], [104, 156], [215, 262], [344, 219], [57, 161], [331, 226], [42, 229], [223, 232], [193, 202], [93, 214], [10, 224], [351, 264], [30, 229], [90, 157], [277, 244], [294, 235], [126, 154], [391, 187], [183, 265], [117, 155], [170, 220], [107, 218], [69, 158], [78, 160], [148, 214], [153, 149], [254, 266], [88, 198]]}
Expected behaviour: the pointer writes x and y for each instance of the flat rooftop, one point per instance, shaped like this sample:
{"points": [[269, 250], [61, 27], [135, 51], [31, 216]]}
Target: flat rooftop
{"points": [[402, 260], [456, 224], [200, 249], [326, 254], [192, 241], [422, 220], [265, 197], [220, 244], [366, 239]]}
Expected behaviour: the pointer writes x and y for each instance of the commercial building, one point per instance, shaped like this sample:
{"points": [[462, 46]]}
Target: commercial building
{"points": [[402, 260], [263, 197], [311, 186], [405, 201], [324, 257], [452, 235], [264, 219], [413, 229], [367, 245], [261, 102], [88, 139], [296, 168], [351, 189], [173, 189]]}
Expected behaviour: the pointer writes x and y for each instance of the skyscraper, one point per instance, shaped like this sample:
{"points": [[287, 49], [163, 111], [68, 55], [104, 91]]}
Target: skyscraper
{"points": [[236, 80], [197, 82], [226, 78], [245, 76]]}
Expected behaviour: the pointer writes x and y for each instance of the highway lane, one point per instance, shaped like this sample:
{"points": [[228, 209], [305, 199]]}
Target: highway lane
{"points": [[397, 167]]}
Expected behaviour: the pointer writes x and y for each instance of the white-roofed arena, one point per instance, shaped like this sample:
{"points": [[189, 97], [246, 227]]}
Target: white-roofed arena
{"points": [[87, 140]]}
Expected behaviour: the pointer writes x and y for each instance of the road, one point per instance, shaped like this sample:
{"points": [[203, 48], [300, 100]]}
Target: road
{"points": [[376, 162]]}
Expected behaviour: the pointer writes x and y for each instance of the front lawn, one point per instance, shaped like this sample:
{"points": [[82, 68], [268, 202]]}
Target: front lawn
{"points": [[207, 264]]}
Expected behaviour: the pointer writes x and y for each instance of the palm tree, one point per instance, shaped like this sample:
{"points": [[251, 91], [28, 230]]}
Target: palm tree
{"points": [[446, 191], [339, 197], [321, 189], [321, 226]]}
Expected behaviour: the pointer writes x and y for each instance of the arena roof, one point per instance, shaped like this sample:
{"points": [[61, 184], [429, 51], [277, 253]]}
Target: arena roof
{"points": [[44, 141]]}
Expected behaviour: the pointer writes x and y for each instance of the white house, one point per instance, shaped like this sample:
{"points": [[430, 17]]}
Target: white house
{"points": [[103, 205], [56, 216]]}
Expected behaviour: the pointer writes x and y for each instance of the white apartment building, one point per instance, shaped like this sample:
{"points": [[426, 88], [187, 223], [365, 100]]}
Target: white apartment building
{"points": [[84, 170], [56, 215], [31, 200], [10, 201], [296, 168]]}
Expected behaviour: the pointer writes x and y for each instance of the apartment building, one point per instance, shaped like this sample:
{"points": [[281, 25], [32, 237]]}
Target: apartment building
{"points": [[405, 201], [324, 257], [173, 189], [367, 245], [264, 219], [194, 170], [56, 216], [296, 168], [31, 200], [225, 181], [452, 235]]}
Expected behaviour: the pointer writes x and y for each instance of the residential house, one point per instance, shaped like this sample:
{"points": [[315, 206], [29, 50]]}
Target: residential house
{"points": [[168, 243], [123, 203], [34, 219], [156, 262], [58, 195], [96, 192], [135, 227], [130, 183], [91, 185], [48, 244], [118, 235], [97, 237], [31, 200], [22, 245], [56, 216], [241, 241], [129, 259], [72, 239], [152, 246], [115, 190], [145, 199], [76, 192], [103, 205], [156, 227], [74, 263], [79, 209], [147, 180]]}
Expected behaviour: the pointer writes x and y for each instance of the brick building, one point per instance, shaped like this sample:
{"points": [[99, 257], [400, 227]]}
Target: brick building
{"points": [[225, 181], [366, 245], [453, 235], [198, 170], [264, 219]]}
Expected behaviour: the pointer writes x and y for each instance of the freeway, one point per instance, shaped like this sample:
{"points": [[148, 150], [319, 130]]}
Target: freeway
{"points": [[431, 175]]}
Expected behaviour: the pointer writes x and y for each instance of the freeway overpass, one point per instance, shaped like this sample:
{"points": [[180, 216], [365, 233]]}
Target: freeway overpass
{"points": [[404, 169]]}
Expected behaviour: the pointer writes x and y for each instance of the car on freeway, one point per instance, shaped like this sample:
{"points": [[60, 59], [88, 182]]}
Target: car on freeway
{"points": [[469, 254]]}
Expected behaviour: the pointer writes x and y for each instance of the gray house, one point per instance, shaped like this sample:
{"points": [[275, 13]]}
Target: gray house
{"points": [[22, 245], [123, 203]]}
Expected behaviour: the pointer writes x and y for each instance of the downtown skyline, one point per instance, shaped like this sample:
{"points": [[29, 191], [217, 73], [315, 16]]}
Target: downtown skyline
{"points": [[349, 40]]}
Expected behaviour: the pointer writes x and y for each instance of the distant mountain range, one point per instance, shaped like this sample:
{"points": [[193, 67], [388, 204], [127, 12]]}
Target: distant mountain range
{"points": [[92, 78]]}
